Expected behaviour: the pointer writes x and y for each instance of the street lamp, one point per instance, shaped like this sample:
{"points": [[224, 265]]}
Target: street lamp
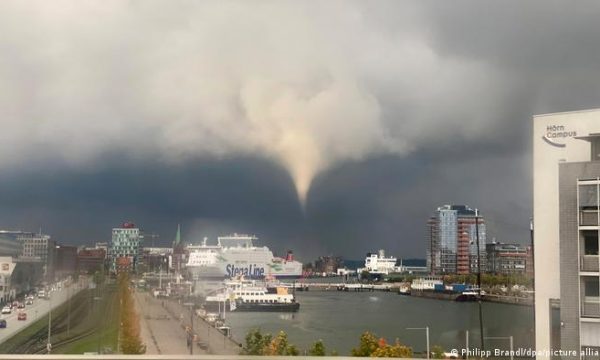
{"points": [[426, 336], [509, 338], [49, 344], [191, 336], [98, 298]]}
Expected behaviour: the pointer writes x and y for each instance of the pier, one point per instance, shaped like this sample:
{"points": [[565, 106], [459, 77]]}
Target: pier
{"points": [[314, 286]]}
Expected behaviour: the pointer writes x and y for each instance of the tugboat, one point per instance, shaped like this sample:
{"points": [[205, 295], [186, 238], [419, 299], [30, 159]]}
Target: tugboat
{"points": [[470, 294]]}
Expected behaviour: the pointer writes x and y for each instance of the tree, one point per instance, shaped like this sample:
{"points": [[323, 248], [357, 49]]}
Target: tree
{"points": [[256, 342], [437, 352], [130, 341], [280, 345], [373, 347], [259, 344], [368, 344], [318, 349]]}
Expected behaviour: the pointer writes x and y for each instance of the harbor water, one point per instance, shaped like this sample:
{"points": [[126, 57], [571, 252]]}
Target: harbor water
{"points": [[339, 318]]}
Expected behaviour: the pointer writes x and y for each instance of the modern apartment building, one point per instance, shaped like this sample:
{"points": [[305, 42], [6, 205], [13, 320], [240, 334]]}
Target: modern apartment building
{"points": [[507, 259], [452, 239], [125, 247], [565, 214]]}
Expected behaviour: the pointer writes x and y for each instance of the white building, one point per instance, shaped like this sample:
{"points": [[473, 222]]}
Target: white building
{"points": [[555, 142], [6, 269]]}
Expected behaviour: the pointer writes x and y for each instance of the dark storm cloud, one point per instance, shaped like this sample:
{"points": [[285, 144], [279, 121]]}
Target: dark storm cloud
{"points": [[393, 108]]}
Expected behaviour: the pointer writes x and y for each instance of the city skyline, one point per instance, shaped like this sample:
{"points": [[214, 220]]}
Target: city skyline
{"points": [[335, 129]]}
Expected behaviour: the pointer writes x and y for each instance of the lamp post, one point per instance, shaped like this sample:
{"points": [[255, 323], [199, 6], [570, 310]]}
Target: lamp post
{"points": [[426, 337], [191, 306], [49, 344], [97, 298], [509, 338], [467, 344]]}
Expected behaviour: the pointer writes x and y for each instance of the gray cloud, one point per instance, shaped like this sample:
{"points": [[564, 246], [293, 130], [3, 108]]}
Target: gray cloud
{"points": [[379, 111]]}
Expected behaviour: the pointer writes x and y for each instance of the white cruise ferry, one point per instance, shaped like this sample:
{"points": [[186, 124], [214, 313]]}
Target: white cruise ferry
{"points": [[236, 255]]}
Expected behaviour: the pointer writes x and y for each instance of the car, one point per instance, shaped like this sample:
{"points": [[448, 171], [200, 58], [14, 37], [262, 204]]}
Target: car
{"points": [[21, 305], [22, 316], [29, 302], [2, 323], [6, 310]]}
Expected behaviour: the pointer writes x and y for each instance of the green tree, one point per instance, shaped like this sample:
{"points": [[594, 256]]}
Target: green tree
{"points": [[256, 342], [318, 349], [437, 352], [259, 344]]}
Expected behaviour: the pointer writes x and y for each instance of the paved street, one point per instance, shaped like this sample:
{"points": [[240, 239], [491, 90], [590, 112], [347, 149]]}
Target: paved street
{"points": [[39, 309], [162, 329]]}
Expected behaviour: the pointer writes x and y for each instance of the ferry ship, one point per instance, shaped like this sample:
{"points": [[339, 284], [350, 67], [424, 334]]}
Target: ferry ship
{"points": [[236, 255], [243, 295]]}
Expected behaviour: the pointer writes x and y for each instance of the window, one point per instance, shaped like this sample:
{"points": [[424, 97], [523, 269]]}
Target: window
{"points": [[592, 289], [588, 196], [590, 239]]}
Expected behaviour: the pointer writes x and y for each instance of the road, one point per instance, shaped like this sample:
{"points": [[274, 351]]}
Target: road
{"points": [[38, 309], [162, 329]]}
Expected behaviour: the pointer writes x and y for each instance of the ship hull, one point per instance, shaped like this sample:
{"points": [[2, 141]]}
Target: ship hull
{"points": [[252, 307]]}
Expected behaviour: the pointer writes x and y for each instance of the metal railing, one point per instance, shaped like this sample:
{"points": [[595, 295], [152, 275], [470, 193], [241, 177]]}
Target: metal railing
{"points": [[590, 309], [588, 218]]}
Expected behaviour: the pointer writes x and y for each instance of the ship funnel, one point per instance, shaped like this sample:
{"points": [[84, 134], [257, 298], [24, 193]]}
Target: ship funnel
{"points": [[381, 253], [289, 256]]}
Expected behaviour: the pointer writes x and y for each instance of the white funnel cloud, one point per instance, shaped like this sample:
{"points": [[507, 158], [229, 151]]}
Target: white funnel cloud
{"points": [[307, 86]]}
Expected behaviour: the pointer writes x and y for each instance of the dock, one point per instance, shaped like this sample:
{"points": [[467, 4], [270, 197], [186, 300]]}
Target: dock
{"points": [[314, 286]]}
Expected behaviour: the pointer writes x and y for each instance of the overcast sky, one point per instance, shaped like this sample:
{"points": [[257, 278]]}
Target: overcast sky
{"points": [[331, 127]]}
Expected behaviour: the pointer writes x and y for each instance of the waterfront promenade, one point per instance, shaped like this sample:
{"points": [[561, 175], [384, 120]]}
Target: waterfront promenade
{"points": [[163, 324]]}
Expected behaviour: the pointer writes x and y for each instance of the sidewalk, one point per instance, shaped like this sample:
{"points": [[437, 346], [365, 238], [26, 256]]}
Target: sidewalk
{"points": [[216, 342], [161, 333]]}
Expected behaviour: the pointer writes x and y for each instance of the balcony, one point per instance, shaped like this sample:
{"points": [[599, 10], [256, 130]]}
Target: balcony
{"points": [[590, 309], [588, 217], [590, 263]]}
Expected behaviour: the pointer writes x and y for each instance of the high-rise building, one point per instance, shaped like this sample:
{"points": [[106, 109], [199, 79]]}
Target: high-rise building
{"points": [[125, 247], [565, 219], [453, 241]]}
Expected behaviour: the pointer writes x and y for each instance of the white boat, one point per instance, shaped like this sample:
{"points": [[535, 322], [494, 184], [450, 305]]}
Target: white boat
{"points": [[244, 295], [236, 255], [379, 264]]}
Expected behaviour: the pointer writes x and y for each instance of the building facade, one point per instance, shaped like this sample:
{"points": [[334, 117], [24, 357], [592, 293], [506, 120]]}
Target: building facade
{"points": [[125, 247], [90, 260], [452, 232], [558, 147], [35, 245], [507, 259], [10, 244], [579, 202]]}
